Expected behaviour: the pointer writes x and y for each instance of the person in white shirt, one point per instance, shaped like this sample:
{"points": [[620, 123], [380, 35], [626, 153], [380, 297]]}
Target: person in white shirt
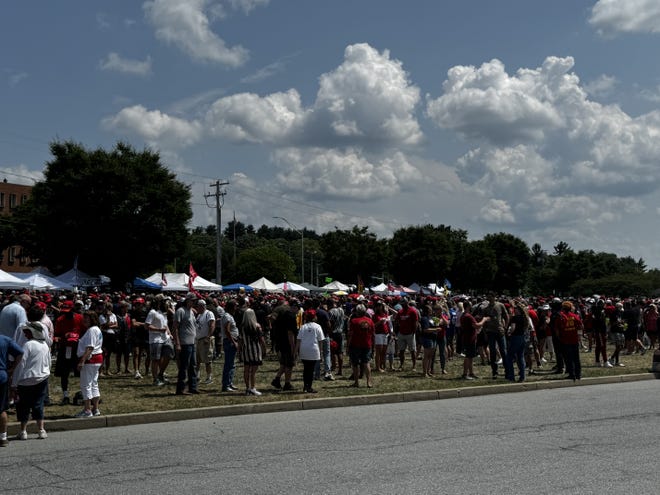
{"points": [[204, 340], [156, 324], [30, 378], [310, 336], [90, 354]]}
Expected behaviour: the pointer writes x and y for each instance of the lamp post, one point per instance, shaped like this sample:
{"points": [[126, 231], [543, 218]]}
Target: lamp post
{"points": [[302, 248]]}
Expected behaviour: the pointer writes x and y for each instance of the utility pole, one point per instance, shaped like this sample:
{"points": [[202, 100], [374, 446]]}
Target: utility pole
{"points": [[219, 195]]}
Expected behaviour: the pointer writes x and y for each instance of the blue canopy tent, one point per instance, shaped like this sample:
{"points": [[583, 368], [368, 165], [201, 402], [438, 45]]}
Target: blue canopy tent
{"points": [[142, 284], [227, 288]]}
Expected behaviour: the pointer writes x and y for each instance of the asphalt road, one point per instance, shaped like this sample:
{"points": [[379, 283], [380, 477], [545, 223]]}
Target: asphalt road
{"points": [[602, 439]]}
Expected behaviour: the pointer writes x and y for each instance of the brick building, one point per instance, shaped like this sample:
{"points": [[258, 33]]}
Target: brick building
{"points": [[11, 196]]}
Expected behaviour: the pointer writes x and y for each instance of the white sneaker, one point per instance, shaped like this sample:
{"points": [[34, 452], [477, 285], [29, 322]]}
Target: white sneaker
{"points": [[21, 435], [138, 376], [208, 381], [42, 435], [254, 391], [499, 361], [84, 414], [607, 364], [544, 360], [96, 412], [621, 365]]}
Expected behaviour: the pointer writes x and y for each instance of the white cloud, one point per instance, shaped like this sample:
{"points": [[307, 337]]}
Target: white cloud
{"points": [[264, 73], [368, 100], [249, 117], [15, 77], [487, 103], [348, 174], [601, 86], [547, 153], [102, 21], [114, 62], [629, 16], [156, 128], [247, 5], [20, 174], [187, 26], [652, 95], [497, 211]]}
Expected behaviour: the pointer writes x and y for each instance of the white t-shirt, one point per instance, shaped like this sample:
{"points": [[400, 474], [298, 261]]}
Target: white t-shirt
{"points": [[158, 320], [203, 324], [91, 338], [309, 335], [110, 319]]}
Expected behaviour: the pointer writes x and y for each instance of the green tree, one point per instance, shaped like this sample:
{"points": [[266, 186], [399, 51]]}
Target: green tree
{"points": [[477, 266], [264, 261], [513, 259], [348, 254], [120, 212], [421, 254]]}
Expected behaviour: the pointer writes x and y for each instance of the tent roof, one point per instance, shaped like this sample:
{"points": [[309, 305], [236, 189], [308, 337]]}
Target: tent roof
{"points": [[179, 282], [291, 287], [264, 284], [336, 285], [8, 281], [40, 281]]}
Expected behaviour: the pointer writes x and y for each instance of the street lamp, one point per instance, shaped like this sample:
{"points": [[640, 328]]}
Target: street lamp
{"points": [[302, 248]]}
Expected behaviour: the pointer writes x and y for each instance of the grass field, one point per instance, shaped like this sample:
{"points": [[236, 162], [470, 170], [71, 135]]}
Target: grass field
{"points": [[124, 394]]}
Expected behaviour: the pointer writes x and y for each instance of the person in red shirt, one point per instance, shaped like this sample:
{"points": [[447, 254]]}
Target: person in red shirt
{"points": [[360, 343], [569, 328], [407, 319], [469, 330], [68, 327]]}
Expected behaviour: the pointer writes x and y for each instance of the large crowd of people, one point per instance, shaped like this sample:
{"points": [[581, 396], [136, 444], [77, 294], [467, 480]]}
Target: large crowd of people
{"points": [[95, 334]]}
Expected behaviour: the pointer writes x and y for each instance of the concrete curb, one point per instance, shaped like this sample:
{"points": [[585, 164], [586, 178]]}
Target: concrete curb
{"points": [[71, 424]]}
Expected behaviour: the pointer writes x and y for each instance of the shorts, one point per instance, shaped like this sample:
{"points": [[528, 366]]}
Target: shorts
{"points": [[470, 349], [380, 339], [32, 399], [4, 397], [204, 350], [286, 359], [359, 355], [429, 342], [155, 351], [619, 338], [407, 341]]}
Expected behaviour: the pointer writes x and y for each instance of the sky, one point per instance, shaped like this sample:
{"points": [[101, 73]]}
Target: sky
{"points": [[536, 118]]}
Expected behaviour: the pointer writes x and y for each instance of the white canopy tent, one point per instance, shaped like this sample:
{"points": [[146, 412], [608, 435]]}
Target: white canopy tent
{"points": [[264, 284], [178, 282], [379, 289], [8, 281], [78, 278], [37, 281], [291, 287], [336, 285]]}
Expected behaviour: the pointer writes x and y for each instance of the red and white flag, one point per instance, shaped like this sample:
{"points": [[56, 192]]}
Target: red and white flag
{"points": [[192, 275]]}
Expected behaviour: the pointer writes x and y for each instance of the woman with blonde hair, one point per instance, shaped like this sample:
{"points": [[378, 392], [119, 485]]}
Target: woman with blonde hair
{"points": [[252, 347]]}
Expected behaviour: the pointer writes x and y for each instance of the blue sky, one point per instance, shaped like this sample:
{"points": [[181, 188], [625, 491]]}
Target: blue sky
{"points": [[531, 117]]}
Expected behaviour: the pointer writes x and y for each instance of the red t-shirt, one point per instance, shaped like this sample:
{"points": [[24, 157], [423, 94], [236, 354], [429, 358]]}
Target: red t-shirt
{"points": [[361, 333], [468, 328], [381, 322], [407, 318], [569, 326]]}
